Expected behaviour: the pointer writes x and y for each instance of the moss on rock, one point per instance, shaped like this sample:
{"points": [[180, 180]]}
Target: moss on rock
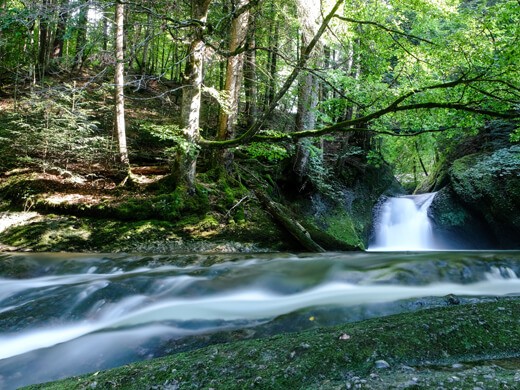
{"points": [[489, 184], [329, 357], [455, 226]]}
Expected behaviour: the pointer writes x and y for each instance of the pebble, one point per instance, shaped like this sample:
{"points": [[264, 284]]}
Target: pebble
{"points": [[382, 364]]}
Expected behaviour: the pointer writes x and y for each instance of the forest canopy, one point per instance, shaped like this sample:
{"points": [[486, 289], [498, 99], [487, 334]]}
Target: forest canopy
{"points": [[395, 80]]}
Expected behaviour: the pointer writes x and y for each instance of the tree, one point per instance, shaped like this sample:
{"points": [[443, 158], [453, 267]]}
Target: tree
{"points": [[119, 80], [235, 64], [185, 168], [81, 35], [307, 87], [61, 26]]}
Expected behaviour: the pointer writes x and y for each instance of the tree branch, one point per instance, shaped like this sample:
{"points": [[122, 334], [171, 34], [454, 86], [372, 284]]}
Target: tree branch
{"points": [[281, 93], [387, 29]]}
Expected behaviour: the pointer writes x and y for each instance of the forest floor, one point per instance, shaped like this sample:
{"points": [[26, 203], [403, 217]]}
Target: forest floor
{"points": [[74, 212]]}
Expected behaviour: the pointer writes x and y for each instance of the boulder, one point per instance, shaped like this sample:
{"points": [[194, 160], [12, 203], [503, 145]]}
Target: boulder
{"points": [[457, 227], [488, 185]]}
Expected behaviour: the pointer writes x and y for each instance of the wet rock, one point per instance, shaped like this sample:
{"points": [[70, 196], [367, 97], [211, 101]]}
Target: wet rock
{"points": [[488, 185], [382, 364], [452, 299]]}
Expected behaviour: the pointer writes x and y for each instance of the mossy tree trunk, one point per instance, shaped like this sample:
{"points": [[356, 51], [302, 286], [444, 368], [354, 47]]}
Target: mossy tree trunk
{"points": [[235, 65], [185, 166]]}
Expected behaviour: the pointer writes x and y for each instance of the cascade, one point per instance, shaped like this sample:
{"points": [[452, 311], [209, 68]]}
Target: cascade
{"points": [[403, 224]]}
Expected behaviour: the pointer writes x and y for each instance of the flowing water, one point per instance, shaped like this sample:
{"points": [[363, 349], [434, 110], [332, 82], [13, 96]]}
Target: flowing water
{"points": [[403, 224], [65, 314]]}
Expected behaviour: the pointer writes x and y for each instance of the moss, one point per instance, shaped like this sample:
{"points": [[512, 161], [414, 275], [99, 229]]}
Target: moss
{"points": [[489, 184], [309, 359], [169, 207], [339, 226], [53, 234]]}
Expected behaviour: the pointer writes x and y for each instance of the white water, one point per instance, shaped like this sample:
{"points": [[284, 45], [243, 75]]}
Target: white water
{"points": [[60, 321], [240, 305], [404, 225]]}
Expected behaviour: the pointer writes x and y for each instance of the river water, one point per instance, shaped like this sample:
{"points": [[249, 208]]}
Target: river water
{"points": [[66, 314]]}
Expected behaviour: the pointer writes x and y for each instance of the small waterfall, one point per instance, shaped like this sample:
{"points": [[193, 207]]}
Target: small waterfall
{"points": [[403, 224]]}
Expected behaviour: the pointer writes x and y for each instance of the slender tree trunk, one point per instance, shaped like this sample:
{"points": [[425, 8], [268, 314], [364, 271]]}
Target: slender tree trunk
{"points": [[81, 37], [59, 37], [145, 66], [104, 22], [119, 81], [250, 74], [305, 120], [43, 39], [191, 97], [271, 65], [420, 159], [235, 65], [308, 89]]}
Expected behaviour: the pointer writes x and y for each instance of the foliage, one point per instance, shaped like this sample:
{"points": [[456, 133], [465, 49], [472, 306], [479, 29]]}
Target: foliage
{"points": [[53, 128], [174, 137], [268, 151]]}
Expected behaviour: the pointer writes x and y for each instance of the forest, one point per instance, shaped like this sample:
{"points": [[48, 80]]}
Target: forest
{"points": [[302, 97], [200, 188]]}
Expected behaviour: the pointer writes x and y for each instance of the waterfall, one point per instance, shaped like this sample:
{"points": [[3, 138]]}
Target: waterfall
{"points": [[403, 224]]}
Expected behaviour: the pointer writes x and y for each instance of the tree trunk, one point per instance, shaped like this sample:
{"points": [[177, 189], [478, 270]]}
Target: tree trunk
{"points": [[235, 64], [271, 64], [281, 215], [307, 101], [250, 73], [59, 38], [191, 97], [145, 63], [81, 37], [43, 38], [119, 81]]}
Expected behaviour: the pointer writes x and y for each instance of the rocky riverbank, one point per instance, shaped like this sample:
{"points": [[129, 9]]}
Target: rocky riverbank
{"points": [[473, 346]]}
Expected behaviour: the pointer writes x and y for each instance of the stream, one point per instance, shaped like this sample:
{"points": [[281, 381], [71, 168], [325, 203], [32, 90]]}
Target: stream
{"points": [[66, 314]]}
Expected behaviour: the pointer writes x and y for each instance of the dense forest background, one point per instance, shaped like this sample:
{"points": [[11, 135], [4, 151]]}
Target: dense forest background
{"points": [[300, 92]]}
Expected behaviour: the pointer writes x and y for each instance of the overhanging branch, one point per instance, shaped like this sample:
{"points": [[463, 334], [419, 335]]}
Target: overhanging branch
{"points": [[387, 29]]}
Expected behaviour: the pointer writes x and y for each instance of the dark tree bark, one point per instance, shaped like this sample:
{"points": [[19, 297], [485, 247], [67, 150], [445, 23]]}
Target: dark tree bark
{"points": [[81, 36], [274, 34], [43, 40], [61, 26], [250, 88]]}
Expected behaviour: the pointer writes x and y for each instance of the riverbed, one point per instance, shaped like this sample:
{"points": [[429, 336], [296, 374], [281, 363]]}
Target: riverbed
{"points": [[67, 314]]}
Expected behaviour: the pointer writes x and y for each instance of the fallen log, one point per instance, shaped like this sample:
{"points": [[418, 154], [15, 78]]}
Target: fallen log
{"points": [[285, 218]]}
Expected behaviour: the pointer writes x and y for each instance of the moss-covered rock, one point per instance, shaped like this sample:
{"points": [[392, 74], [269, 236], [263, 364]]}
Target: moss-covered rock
{"points": [[328, 358], [489, 185], [455, 226], [342, 219]]}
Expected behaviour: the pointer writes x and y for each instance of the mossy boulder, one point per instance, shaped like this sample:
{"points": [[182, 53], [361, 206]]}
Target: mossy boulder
{"points": [[344, 216], [489, 185], [378, 351], [456, 226]]}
